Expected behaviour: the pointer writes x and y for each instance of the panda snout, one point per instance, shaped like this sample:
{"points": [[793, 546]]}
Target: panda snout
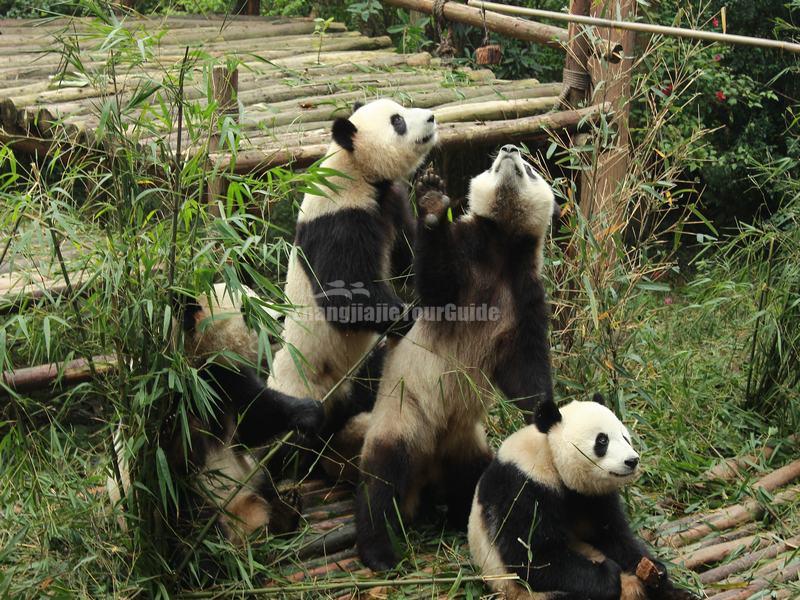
{"points": [[632, 463], [432, 118], [510, 149]]}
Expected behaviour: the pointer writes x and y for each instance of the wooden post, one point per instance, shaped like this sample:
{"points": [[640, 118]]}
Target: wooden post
{"points": [[225, 87], [601, 182], [577, 81], [253, 8]]}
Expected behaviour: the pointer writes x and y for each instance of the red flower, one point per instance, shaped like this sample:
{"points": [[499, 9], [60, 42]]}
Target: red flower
{"points": [[720, 96], [715, 22], [667, 89], [668, 300], [718, 57]]}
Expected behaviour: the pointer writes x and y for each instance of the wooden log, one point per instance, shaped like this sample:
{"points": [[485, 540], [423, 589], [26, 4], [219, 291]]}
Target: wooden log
{"points": [[768, 482], [727, 518], [778, 573], [748, 560], [450, 134], [225, 87], [65, 374], [717, 552], [577, 80], [540, 90], [730, 468], [496, 110], [330, 542], [521, 29]]}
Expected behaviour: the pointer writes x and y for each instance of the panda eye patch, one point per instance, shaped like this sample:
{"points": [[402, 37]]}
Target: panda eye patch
{"points": [[399, 124], [601, 444]]}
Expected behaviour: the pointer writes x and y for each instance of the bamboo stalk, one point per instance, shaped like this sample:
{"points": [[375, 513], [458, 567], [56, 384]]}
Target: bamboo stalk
{"points": [[719, 537], [682, 32], [730, 468], [509, 26], [73, 372], [777, 574], [717, 552], [495, 110], [768, 482], [727, 518], [747, 561]]}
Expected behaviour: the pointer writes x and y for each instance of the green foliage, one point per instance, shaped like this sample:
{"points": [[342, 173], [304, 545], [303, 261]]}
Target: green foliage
{"points": [[742, 93]]}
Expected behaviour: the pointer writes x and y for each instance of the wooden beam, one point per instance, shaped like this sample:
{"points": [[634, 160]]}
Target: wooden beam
{"points": [[73, 372], [513, 27], [225, 88], [610, 84]]}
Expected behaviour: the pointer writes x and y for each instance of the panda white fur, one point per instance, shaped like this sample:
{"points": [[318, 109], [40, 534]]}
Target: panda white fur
{"points": [[224, 448], [349, 244], [547, 509], [427, 425]]}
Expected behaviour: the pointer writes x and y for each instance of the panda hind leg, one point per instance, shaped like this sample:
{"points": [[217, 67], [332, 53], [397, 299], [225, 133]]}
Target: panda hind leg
{"points": [[386, 479], [462, 467]]}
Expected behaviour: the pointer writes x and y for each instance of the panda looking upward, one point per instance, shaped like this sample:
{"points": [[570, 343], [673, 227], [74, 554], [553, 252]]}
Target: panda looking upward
{"points": [[427, 425], [349, 244]]}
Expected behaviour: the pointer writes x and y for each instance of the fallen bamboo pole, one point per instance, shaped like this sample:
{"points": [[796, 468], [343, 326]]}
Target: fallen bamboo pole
{"points": [[729, 469], [682, 32], [747, 561], [519, 29], [714, 554], [778, 574], [727, 518], [40, 377]]}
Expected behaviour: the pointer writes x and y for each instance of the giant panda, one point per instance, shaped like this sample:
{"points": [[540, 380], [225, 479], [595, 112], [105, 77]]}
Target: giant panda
{"points": [[547, 509], [350, 241], [224, 447], [427, 424]]}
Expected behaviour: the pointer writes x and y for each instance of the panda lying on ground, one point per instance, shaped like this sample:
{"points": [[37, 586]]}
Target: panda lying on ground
{"points": [[427, 425], [223, 449], [548, 510], [349, 244]]}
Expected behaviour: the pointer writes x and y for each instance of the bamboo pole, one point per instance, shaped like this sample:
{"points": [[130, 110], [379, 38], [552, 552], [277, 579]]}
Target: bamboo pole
{"points": [[73, 372], [713, 554], [777, 574], [748, 560], [683, 32], [509, 26]]}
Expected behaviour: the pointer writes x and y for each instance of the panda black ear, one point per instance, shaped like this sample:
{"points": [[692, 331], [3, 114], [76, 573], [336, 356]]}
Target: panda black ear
{"points": [[343, 133], [357, 104], [545, 415], [598, 397]]}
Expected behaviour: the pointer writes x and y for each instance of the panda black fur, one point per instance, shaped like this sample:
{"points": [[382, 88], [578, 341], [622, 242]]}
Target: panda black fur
{"points": [[223, 449], [548, 510], [427, 425], [349, 244]]}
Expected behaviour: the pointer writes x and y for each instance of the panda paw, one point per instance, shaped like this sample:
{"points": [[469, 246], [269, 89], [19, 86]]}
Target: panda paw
{"points": [[308, 416], [432, 207], [286, 511], [429, 181], [379, 558]]}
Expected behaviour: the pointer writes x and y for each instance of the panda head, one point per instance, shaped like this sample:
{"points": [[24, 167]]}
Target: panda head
{"points": [[215, 328], [514, 195], [590, 446], [384, 140]]}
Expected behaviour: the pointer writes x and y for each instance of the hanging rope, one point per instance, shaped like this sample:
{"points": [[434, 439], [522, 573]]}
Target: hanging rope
{"points": [[446, 48], [573, 80]]}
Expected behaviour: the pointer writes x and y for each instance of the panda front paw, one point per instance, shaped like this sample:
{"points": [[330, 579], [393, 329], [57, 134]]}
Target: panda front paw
{"points": [[378, 558], [429, 181], [286, 511], [308, 416]]}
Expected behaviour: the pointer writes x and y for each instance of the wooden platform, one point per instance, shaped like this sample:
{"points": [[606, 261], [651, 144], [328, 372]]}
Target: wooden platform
{"points": [[734, 551], [289, 87]]}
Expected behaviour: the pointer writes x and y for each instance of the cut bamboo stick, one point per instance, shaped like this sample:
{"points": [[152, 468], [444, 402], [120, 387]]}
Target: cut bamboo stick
{"points": [[495, 110], [748, 560], [778, 574], [512, 27], [41, 377], [717, 552], [682, 32], [727, 518]]}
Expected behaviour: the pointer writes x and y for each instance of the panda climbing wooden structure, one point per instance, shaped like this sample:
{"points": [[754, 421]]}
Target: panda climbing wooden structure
{"points": [[350, 242], [547, 509], [427, 425]]}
